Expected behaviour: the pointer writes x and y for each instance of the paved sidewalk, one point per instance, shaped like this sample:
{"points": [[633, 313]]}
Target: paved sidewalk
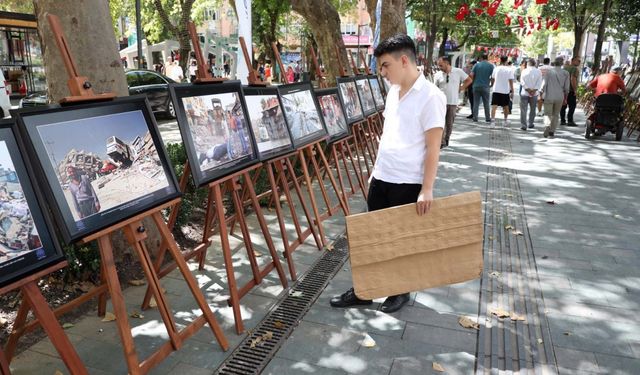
{"points": [[585, 258]]}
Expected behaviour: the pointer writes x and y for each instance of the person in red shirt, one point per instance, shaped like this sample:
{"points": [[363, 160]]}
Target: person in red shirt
{"points": [[608, 83]]}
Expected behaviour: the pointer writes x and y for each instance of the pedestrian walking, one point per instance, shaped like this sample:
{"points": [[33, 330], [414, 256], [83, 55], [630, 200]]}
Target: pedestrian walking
{"points": [[481, 76], [544, 68], [502, 82], [193, 70], [407, 162], [555, 88], [451, 81], [530, 84], [566, 117], [469, 67]]}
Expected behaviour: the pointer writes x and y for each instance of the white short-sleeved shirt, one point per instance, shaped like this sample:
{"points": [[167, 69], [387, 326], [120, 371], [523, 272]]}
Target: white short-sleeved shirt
{"points": [[501, 76], [402, 147], [451, 89]]}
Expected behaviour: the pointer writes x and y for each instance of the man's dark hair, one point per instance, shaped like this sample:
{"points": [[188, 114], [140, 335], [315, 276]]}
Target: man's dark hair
{"points": [[546, 61], [397, 43], [446, 59], [483, 57], [503, 59]]}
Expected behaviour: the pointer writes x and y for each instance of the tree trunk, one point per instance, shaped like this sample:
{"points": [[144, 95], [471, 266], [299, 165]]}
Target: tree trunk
{"points": [[597, 55], [92, 42], [578, 34], [433, 33], [393, 17], [443, 45], [179, 31], [324, 22]]}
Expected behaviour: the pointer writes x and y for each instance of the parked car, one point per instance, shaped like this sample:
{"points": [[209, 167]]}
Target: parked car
{"points": [[5, 103], [107, 167], [153, 84]]}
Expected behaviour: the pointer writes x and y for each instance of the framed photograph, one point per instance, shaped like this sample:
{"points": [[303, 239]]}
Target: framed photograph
{"points": [[332, 113], [377, 91], [302, 113], [366, 96], [99, 163], [215, 129], [349, 97], [267, 121], [633, 83], [27, 244]]}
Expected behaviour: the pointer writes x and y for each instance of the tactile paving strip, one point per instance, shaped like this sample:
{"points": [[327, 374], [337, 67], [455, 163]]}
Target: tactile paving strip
{"points": [[519, 342]]}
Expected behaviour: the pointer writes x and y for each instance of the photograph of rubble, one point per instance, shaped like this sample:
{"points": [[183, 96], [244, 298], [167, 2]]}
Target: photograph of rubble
{"points": [[377, 92], [366, 96], [349, 98], [267, 121], [302, 113], [22, 248], [215, 129], [102, 164], [332, 113]]}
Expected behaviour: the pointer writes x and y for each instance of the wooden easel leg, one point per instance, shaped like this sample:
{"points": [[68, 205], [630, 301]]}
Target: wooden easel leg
{"points": [[102, 298], [119, 308], [281, 224], [246, 235], [339, 171], [339, 194], [265, 232], [234, 300], [192, 283], [4, 364], [18, 328], [50, 324], [314, 205], [305, 209], [316, 172], [359, 147], [343, 158], [357, 168], [281, 180]]}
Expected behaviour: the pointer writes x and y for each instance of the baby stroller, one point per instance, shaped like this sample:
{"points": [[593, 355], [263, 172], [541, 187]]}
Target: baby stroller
{"points": [[606, 116]]}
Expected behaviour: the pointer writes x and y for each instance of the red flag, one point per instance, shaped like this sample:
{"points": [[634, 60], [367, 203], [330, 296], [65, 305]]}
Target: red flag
{"points": [[493, 8], [484, 4], [556, 24], [521, 21], [539, 23], [517, 3], [531, 24], [507, 20], [462, 12], [479, 11], [541, 1]]}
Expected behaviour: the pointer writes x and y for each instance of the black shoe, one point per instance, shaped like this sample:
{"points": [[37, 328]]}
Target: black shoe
{"points": [[523, 128], [571, 123], [470, 116], [394, 303], [562, 122], [551, 134], [347, 299], [530, 126]]}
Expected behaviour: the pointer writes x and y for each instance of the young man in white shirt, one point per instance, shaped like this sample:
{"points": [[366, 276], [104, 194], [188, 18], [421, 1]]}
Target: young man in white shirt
{"points": [[544, 68], [451, 81], [409, 150], [530, 82], [502, 82]]}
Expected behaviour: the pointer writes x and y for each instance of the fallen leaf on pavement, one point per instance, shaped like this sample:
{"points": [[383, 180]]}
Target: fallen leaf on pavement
{"points": [[544, 257], [567, 333], [67, 325], [540, 341], [296, 294], [278, 324], [136, 282], [137, 315], [495, 274], [507, 227], [152, 302], [551, 202], [500, 313], [257, 254], [267, 335], [368, 341], [330, 247], [490, 238], [468, 323], [256, 341], [517, 233], [109, 317], [437, 367], [516, 317], [58, 372]]}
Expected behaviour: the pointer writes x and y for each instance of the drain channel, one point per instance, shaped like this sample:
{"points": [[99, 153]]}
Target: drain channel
{"points": [[257, 349]]}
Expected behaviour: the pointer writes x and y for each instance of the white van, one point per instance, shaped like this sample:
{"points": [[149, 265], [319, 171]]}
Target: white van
{"points": [[5, 104]]}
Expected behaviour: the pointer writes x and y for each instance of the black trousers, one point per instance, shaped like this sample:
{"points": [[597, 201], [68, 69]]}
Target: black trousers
{"points": [[571, 103], [386, 194]]}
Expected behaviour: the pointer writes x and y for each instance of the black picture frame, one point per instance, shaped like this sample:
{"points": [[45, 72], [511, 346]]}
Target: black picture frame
{"points": [[215, 129], [303, 113], [28, 242], [348, 93], [108, 153], [376, 90], [332, 113], [365, 94], [268, 122]]}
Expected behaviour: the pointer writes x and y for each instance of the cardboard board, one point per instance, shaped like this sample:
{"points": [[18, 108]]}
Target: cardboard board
{"points": [[396, 251]]}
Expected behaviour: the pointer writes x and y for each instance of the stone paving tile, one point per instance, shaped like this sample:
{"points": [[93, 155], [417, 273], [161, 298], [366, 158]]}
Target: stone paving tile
{"points": [[465, 341], [618, 365], [357, 319], [281, 366], [576, 359], [453, 363]]}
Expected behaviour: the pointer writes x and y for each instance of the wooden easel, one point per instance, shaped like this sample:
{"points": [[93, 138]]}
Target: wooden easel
{"points": [[202, 73], [33, 300], [135, 234], [253, 75], [322, 80]]}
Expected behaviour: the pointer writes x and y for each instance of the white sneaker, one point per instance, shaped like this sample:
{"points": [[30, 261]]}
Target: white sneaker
{"points": [[506, 123]]}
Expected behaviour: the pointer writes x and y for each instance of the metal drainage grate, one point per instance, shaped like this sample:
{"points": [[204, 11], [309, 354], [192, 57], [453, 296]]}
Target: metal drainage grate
{"points": [[285, 315]]}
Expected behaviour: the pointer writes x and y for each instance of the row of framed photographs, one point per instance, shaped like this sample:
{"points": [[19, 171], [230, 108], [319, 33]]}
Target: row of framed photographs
{"points": [[632, 83], [226, 127], [91, 166]]}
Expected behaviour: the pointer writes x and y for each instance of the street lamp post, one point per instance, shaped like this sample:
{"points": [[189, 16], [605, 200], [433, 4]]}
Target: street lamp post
{"points": [[139, 34]]}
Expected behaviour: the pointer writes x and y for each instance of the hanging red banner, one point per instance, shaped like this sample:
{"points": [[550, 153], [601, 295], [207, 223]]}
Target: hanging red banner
{"points": [[507, 20], [521, 21], [493, 8], [517, 3]]}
